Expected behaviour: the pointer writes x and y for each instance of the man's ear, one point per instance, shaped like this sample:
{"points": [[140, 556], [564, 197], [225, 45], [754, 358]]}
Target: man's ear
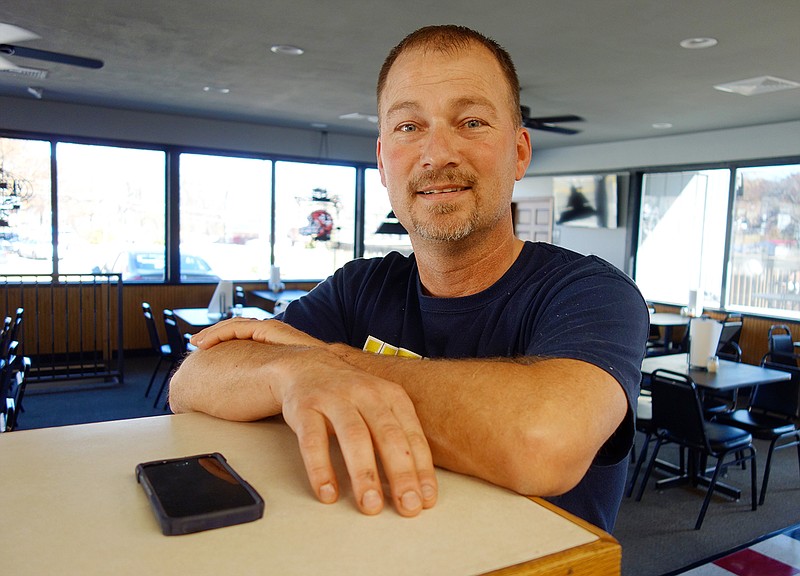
{"points": [[524, 152], [380, 161]]}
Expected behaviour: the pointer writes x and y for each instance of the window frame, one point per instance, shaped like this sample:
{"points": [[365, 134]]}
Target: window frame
{"points": [[172, 155]]}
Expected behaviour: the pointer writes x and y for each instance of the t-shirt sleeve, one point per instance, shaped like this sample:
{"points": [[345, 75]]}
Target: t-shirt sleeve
{"points": [[599, 317]]}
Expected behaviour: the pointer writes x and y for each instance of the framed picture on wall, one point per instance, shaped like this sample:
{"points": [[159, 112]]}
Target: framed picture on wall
{"points": [[588, 201]]}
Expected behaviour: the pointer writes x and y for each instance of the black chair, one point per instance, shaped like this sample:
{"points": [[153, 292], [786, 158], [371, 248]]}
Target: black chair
{"points": [[162, 350], [678, 417], [178, 345], [781, 346], [18, 380], [10, 332], [646, 427], [728, 347], [772, 415]]}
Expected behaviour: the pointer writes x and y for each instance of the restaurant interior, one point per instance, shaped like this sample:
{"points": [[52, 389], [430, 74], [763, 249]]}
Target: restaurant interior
{"points": [[163, 166]]}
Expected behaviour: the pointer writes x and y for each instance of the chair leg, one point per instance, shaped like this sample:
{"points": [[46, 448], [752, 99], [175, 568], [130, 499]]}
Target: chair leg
{"points": [[163, 384], [709, 493], [153, 376], [650, 465], [753, 479], [767, 466], [639, 463]]}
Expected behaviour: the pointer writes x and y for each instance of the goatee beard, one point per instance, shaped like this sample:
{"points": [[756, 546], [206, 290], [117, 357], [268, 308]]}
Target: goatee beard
{"points": [[434, 225]]}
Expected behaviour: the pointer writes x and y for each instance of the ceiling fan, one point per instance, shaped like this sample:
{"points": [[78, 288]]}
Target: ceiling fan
{"points": [[548, 123], [11, 33]]}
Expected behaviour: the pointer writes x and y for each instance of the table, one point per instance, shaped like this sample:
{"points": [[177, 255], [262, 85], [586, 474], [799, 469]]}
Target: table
{"points": [[72, 506], [729, 376], [274, 297], [200, 318], [668, 321]]}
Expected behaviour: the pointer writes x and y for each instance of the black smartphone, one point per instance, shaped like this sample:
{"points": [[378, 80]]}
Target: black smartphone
{"points": [[198, 493]]}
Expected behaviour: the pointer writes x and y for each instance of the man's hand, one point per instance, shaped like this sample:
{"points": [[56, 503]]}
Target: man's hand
{"points": [[368, 415], [319, 394], [264, 331]]}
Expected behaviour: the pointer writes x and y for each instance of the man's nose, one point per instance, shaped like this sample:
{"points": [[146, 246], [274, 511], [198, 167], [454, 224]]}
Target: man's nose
{"points": [[439, 149]]}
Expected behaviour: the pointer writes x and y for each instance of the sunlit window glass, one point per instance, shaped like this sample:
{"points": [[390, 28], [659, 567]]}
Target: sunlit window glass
{"points": [[26, 243], [315, 218], [225, 218], [681, 244], [764, 268], [382, 232], [111, 211]]}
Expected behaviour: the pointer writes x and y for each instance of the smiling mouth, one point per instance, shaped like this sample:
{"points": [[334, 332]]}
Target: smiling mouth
{"points": [[443, 190]]}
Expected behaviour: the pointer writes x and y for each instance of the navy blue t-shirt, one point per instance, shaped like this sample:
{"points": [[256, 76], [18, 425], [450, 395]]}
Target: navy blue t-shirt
{"points": [[551, 303]]}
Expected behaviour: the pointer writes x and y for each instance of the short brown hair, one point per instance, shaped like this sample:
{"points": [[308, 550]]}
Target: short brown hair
{"points": [[451, 38]]}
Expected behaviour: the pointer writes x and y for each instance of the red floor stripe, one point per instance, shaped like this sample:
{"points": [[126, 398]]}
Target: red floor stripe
{"points": [[751, 563]]}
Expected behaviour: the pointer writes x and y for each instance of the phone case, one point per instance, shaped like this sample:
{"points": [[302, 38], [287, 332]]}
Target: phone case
{"points": [[198, 493]]}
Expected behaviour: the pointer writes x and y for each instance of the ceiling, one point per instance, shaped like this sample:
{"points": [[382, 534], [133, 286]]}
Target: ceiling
{"points": [[616, 63]]}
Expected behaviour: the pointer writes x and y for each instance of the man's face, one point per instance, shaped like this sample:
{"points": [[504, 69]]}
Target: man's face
{"points": [[449, 150]]}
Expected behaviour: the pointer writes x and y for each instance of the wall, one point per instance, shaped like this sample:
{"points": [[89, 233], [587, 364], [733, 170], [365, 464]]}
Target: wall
{"points": [[96, 122], [713, 147], [607, 243]]}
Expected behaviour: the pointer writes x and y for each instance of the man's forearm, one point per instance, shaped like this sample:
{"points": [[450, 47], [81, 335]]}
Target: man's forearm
{"points": [[230, 380], [534, 428]]}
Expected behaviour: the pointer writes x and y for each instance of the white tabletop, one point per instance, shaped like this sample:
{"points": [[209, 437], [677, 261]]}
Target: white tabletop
{"points": [[72, 506]]}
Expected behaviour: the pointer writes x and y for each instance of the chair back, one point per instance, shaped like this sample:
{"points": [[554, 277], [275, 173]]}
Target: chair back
{"points": [[728, 345], [176, 341], [781, 345], [152, 331], [782, 398], [677, 410]]}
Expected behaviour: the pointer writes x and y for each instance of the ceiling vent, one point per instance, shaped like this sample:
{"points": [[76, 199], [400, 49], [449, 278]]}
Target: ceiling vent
{"points": [[35, 73], [760, 85]]}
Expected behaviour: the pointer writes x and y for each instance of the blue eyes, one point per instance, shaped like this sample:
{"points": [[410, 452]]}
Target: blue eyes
{"points": [[473, 123]]}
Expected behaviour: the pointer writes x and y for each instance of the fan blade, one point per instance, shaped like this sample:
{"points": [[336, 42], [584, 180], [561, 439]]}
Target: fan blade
{"points": [[7, 64], [50, 56], [557, 119], [11, 33], [533, 125]]}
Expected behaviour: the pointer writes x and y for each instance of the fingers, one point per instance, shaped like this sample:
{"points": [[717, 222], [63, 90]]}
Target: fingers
{"points": [[265, 331], [368, 416]]}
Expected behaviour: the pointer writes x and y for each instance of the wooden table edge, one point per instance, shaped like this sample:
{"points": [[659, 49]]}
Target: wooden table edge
{"points": [[602, 557]]}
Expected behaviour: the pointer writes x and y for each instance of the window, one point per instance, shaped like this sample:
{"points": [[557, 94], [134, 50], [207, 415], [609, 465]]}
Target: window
{"points": [[382, 232], [682, 226], [314, 218], [224, 217], [26, 243], [111, 210], [764, 266]]}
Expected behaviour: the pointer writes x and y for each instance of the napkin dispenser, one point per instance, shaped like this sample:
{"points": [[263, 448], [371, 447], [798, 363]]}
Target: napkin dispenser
{"points": [[704, 336]]}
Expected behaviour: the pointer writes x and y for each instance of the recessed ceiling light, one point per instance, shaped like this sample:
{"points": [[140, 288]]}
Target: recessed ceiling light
{"points": [[217, 89], [319, 125], [696, 43], [662, 125], [287, 50]]}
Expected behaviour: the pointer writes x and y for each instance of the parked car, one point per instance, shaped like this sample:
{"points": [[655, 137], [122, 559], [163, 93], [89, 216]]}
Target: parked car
{"points": [[149, 266]]}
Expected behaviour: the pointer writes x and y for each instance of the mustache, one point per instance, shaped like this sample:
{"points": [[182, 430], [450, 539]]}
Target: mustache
{"points": [[452, 176]]}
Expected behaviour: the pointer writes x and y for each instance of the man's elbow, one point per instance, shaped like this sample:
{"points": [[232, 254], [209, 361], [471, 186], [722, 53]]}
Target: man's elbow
{"points": [[545, 465]]}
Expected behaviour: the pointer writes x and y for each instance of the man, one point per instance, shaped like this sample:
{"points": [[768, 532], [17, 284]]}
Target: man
{"points": [[531, 352]]}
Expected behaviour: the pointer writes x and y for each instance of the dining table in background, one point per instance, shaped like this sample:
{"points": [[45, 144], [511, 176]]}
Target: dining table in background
{"points": [[73, 506], [271, 298], [729, 376], [197, 318], [668, 321]]}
